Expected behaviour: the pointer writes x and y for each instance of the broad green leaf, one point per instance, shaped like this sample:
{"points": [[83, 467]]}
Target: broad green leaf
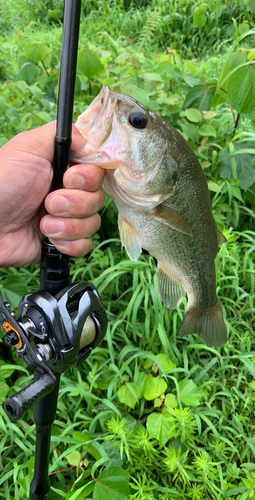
{"points": [[73, 458], [191, 131], [22, 85], [199, 18], [148, 363], [208, 115], [4, 388], [89, 64], [212, 186], [160, 427], [152, 77], [27, 72], [140, 95], [205, 164], [191, 66], [129, 394], [122, 57], [243, 167], [157, 403], [190, 394], [165, 99], [112, 484], [153, 387], [236, 59], [208, 130], [43, 117], [243, 28], [166, 68], [36, 91], [193, 115], [18, 103], [13, 289], [38, 52], [199, 97], [170, 401], [166, 365], [241, 89]]}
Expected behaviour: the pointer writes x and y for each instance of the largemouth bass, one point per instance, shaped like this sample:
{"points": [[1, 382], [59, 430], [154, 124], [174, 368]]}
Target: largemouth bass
{"points": [[164, 205]]}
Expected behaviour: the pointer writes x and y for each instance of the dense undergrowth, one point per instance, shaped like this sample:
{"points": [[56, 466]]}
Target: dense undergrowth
{"points": [[148, 415]]}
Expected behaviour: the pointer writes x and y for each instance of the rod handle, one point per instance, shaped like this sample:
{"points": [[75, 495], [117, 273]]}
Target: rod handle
{"points": [[16, 405]]}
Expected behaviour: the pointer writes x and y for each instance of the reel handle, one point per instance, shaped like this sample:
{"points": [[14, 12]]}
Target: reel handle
{"points": [[16, 405]]}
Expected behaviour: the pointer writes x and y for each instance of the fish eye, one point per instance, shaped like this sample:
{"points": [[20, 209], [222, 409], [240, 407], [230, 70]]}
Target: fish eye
{"points": [[138, 119]]}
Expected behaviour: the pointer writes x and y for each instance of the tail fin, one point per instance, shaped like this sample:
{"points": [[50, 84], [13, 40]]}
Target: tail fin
{"points": [[208, 324]]}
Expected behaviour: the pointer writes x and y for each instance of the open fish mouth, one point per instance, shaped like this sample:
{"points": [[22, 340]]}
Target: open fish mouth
{"points": [[95, 124], [89, 118]]}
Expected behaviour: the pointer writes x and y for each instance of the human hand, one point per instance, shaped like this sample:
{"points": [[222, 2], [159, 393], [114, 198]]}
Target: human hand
{"points": [[25, 178]]}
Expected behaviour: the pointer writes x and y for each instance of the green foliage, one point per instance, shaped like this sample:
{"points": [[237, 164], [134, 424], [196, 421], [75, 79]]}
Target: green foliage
{"points": [[148, 415]]}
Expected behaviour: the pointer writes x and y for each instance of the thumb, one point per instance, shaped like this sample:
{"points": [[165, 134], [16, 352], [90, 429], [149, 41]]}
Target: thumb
{"points": [[40, 141]]}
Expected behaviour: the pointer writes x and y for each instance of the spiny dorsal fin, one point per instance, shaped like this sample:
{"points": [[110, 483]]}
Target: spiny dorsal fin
{"points": [[170, 290], [129, 239], [171, 218]]}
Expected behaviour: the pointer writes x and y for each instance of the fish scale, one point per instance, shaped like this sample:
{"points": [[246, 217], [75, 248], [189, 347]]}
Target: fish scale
{"points": [[164, 204]]}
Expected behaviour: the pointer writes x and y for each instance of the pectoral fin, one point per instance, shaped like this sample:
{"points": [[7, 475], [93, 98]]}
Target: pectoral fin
{"points": [[171, 218], [129, 239], [170, 290]]}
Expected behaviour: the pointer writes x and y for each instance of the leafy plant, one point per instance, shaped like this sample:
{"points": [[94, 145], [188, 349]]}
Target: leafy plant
{"points": [[148, 415]]}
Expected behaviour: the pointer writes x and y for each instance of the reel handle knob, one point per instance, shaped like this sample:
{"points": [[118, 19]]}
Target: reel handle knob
{"points": [[16, 405]]}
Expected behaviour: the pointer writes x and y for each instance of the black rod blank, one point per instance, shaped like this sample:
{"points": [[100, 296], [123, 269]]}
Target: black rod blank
{"points": [[55, 266]]}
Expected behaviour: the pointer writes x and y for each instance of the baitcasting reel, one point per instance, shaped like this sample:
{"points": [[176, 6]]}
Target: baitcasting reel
{"points": [[51, 334]]}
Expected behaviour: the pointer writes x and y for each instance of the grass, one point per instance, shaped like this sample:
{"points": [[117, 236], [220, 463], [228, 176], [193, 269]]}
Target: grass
{"points": [[171, 415]]}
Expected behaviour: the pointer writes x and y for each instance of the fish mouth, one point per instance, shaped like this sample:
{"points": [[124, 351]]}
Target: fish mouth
{"points": [[90, 118], [96, 124]]}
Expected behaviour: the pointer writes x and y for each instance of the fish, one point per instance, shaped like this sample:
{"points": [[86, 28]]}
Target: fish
{"points": [[164, 205]]}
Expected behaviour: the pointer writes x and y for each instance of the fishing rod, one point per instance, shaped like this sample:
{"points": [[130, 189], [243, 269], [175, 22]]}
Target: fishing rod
{"points": [[57, 327]]}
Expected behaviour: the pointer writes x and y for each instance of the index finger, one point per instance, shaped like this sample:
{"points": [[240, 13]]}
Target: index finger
{"points": [[85, 177]]}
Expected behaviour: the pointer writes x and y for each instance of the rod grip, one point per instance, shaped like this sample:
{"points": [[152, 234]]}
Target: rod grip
{"points": [[16, 405]]}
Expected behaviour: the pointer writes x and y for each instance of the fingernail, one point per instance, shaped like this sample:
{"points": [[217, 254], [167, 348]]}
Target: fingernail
{"points": [[59, 243], [59, 204], [53, 225], [75, 181]]}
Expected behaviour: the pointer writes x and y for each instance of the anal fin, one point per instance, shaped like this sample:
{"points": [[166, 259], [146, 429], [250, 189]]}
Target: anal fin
{"points": [[129, 239], [170, 290]]}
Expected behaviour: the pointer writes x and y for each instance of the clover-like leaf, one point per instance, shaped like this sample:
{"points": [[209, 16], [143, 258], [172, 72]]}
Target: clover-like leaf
{"points": [[73, 458], [112, 484], [190, 394], [154, 387], [160, 427], [129, 393]]}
